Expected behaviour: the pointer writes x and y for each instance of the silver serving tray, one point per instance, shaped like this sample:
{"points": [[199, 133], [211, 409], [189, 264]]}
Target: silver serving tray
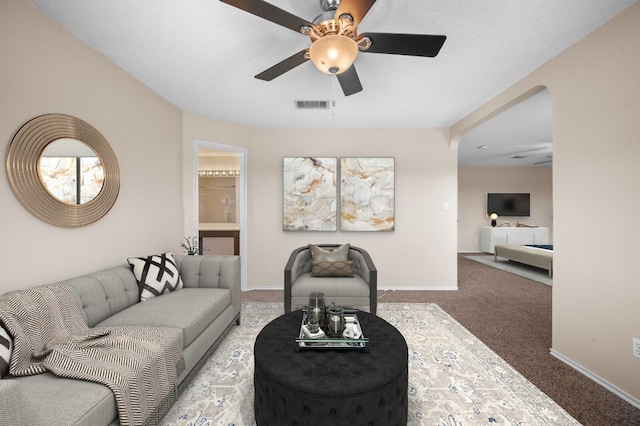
{"points": [[321, 343]]}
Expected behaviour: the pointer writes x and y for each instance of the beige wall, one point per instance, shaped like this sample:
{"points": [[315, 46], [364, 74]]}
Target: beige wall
{"points": [[475, 182], [596, 104], [46, 69], [419, 254], [595, 92]]}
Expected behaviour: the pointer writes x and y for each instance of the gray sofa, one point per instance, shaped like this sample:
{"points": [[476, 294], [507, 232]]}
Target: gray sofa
{"points": [[205, 309], [359, 290]]}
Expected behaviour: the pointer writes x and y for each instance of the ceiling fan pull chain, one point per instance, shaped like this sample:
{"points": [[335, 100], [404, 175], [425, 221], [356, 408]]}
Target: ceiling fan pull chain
{"points": [[334, 78]]}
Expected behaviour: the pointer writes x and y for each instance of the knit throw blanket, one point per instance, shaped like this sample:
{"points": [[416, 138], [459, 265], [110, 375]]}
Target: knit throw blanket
{"points": [[139, 364]]}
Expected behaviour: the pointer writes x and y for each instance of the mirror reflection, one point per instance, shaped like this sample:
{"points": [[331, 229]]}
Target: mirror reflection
{"points": [[71, 171]]}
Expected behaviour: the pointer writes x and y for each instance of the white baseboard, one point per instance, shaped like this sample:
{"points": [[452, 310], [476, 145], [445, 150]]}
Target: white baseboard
{"points": [[400, 288], [599, 380], [422, 288], [264, 288]]}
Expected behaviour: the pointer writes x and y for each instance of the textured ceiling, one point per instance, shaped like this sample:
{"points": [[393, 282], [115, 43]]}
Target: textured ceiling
{"points": [[202, 56], [519, 137]]}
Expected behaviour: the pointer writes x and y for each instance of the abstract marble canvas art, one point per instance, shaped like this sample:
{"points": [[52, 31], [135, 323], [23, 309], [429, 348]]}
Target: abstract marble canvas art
{"points": [[367, 194], [310, 193]]}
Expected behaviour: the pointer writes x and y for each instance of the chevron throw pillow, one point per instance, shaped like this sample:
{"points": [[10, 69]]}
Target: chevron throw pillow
{"points": [[156, 274], [6, 348]]}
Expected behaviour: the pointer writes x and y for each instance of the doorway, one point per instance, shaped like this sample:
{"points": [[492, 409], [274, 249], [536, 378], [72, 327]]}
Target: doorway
{"points": [[220, 200]]}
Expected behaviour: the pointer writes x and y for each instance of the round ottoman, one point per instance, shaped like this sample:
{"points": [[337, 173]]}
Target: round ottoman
{"points": [[330, 386]]}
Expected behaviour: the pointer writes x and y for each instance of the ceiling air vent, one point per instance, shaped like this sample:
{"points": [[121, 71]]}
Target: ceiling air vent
{"points": [[312, 104]]}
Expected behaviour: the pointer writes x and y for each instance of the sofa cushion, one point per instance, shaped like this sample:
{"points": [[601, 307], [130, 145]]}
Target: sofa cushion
{"points": [[190, 309], [156, 275], [63, 401], [6, 347], [15, 406], [104, 293], [332, 269]]}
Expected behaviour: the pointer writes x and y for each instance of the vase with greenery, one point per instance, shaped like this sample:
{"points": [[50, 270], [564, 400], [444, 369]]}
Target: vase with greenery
{"points": [[190, 245]]}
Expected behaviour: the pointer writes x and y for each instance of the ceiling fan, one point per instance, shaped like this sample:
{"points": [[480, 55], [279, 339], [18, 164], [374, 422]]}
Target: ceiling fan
{"points": [[335, 42]]}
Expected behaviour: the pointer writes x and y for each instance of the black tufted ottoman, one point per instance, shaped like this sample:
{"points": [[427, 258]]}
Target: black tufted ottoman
{"points": [[330, 387]]}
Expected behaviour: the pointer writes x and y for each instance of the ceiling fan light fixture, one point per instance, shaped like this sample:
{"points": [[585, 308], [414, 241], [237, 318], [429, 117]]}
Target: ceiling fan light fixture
{"points": [[333, 54]]}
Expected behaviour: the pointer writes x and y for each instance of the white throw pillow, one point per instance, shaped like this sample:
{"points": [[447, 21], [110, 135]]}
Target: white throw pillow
{"points": [[155, 274], [6, 347]]}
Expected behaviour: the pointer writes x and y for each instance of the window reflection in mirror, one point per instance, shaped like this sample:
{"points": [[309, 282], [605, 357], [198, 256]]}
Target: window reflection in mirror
{"points": [[71, 171]]}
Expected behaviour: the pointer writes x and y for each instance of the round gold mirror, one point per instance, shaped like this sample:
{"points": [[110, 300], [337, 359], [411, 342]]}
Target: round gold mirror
{"points": [[63, 170]]}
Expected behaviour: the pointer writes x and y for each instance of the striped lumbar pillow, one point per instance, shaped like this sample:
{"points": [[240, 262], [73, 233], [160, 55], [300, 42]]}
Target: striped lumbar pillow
{"points": [[5, 351]]}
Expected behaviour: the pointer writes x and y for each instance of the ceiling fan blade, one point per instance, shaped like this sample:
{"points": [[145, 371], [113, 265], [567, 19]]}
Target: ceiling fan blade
{"points": [[349, 81], [405, 44], [270, 13], [355, 8], [287, 65]]}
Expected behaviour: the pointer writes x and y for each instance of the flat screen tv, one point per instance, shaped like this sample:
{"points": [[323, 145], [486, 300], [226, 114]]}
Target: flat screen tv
{"points": [[509, 204]]}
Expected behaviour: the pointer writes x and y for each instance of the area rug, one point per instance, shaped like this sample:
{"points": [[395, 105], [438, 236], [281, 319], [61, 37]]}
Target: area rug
{"points": [[526, 271], [454, 378]]}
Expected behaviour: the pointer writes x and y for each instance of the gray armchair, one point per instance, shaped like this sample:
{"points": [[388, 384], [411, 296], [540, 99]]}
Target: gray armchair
{"points": [[359, 290]]}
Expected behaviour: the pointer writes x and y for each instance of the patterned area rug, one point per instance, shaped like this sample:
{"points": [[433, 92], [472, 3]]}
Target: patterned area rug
{"points": [[526, 271], [454, 379]]}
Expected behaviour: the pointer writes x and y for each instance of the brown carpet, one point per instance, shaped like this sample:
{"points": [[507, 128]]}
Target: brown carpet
{"points": [[512, 315]]}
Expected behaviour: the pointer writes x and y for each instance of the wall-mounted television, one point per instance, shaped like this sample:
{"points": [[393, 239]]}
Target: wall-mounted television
{"points": [[509, 204]]}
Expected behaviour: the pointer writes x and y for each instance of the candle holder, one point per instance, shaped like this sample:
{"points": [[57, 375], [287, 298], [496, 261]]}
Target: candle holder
{"points": [[313, 325], [316, 308], [335, 320]]}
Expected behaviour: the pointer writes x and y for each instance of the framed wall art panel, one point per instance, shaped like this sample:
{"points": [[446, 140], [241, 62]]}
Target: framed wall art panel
{"points": [[310, 193], [367, 194]]}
